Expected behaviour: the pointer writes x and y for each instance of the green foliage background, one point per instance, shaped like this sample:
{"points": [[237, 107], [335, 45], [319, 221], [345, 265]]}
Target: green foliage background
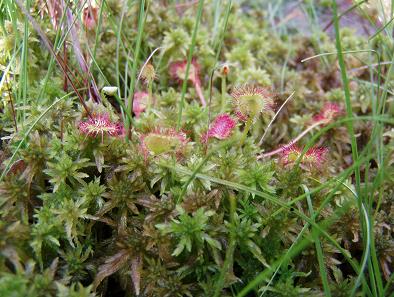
{"points": [[86, 216]]}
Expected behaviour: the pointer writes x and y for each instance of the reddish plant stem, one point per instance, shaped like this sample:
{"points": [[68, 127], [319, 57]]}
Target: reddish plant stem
{"points": [[200, 94], [209, 109], [65, 85], [58, 59], [295, 140]]}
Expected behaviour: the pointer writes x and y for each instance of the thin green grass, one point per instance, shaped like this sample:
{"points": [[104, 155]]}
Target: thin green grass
{"points": [[318, 247], [9, 65], [373, 267], [99, 24], [296, 247], [22, 141], [218, 46], [133, 74], [337, 182], [272, 198], [58, 43], [117, 58], [216, 18], [285, 206], [362, 194], [228, 259], [189, 60], [22, 92]]}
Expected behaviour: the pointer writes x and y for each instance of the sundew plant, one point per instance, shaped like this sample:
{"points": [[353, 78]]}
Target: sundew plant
{"points": [[162, 148]]}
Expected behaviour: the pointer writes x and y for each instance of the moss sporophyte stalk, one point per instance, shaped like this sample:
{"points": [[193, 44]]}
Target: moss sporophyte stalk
{"points": [[178, 70]]}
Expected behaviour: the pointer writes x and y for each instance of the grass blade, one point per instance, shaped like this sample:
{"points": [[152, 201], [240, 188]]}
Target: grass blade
{"points": [[319, 250], [8, 166], [189, 60], [141, 22]]}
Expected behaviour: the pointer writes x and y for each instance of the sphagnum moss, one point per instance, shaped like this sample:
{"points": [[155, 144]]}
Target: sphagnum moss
{"points": [[191, 205]]}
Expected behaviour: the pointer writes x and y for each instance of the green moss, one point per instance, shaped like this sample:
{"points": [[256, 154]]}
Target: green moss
{"points": [[161, 212]]}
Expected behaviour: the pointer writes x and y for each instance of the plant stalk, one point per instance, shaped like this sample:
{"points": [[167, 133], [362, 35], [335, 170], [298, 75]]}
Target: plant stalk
{"points": [[12, 105], [228, 260], [150, 97], [141, 22], [200, 94], [246, 130], [224, 93], [295, 140], [189, 60]]}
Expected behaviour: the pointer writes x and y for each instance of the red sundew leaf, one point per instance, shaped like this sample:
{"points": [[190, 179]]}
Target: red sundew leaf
{"points": [[100, 124], [328, 113], [221, 128], [250, 100]]}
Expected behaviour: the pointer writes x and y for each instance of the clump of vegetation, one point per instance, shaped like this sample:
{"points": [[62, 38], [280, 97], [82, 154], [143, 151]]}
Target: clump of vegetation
{"points": [[202, 148]]}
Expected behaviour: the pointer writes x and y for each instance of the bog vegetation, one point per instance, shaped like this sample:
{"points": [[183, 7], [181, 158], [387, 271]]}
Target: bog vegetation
{"points": [[196, 148]]}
